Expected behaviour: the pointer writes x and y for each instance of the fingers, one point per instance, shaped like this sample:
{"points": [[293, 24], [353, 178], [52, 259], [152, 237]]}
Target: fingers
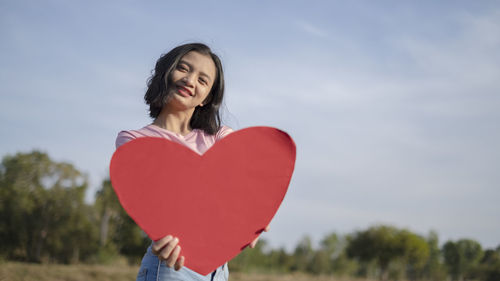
{"points": [[254, 243], [165, 252], [172, 258], [159, 244], [179, 263], [168, 250]]}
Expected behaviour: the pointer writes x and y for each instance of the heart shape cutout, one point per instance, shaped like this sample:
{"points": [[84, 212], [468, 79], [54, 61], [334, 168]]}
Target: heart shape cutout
{"points": [[216, 203]]}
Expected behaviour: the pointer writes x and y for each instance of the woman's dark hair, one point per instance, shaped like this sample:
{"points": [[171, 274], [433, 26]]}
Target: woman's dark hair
{"points": [[206, 117]]}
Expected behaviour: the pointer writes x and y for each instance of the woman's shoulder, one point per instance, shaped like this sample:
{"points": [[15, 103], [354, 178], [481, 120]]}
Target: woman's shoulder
{"points": [[223, 131], [123, 137], [128, 135]]}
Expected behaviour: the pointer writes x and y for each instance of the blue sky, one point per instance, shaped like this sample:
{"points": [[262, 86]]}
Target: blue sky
{"points": [[394, 105]]}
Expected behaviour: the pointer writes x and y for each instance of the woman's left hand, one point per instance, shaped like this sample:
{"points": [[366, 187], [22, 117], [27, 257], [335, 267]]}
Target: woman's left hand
{"points": [[254, 242]]}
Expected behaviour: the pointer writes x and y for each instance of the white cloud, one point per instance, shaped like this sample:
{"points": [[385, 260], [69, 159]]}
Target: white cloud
{"points": [[311, 29]]}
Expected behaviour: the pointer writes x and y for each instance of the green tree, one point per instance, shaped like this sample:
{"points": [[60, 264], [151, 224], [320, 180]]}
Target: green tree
{"points": [[118, 233], [462, 257], [345, 266], [43, 214], [330, 245], [280, 261], [415, 253], [434, 269], [21, 190], [130, 239], [109, 209], [379, 244], [303, 254], [251, 259], [489, 268], [320, 263], [386, 244], [341, 264]]}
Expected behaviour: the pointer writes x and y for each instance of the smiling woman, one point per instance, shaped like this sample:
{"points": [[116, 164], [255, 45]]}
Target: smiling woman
{"points": [[184, 96], [195, 73]]}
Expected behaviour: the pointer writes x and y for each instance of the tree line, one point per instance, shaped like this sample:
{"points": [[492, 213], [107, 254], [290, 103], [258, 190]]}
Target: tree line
{"points": [[44, 219]]}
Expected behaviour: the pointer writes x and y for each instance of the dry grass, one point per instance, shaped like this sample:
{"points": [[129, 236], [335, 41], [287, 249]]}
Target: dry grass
{"points": [[12, 271], [236, 276]]}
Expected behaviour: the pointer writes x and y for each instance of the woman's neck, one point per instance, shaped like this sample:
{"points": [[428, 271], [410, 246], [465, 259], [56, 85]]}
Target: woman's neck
{"points": [[174, 121]]}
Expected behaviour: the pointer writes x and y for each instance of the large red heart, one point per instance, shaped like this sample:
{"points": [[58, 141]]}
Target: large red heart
{"points": [[216, 203]]}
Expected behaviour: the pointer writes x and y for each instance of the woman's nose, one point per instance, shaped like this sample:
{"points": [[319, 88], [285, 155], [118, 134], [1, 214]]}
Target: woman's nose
{"points": [[188, 79]]}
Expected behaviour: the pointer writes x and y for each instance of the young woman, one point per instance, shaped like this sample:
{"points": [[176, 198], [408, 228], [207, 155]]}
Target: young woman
{"points": [[184, 95]]}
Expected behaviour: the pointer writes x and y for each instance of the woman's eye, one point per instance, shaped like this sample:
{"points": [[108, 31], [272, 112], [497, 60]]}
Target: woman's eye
{"points": [[203, 81], [182, 67]]}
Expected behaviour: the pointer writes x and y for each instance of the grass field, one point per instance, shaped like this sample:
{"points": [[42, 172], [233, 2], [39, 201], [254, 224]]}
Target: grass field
{"points": [[11, 271]]}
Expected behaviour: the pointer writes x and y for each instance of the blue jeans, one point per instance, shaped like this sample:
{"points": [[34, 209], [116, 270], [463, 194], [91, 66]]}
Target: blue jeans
{"points": [[154, 270]]}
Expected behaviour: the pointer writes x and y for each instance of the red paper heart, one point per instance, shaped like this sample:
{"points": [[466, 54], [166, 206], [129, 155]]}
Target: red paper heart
{"points": [[216, 203]]}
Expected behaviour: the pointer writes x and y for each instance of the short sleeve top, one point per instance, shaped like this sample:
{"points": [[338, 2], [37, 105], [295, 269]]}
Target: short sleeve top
{"points": [[197, 139]]}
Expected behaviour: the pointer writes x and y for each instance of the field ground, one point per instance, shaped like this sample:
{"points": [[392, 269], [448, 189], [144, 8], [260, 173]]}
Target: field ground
{"points": [[12, 271]]}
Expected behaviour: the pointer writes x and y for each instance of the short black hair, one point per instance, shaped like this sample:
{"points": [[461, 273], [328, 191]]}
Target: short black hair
{"points": [[206, 117]]}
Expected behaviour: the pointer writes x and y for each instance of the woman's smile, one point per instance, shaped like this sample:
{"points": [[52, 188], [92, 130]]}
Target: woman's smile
{"points": [[184, 91]]}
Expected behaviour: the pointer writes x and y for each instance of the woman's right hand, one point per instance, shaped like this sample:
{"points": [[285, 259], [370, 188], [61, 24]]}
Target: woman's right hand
{"points": [[167, 249]]}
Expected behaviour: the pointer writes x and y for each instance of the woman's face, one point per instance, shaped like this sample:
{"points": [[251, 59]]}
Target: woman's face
{"points": [[191, 81]]}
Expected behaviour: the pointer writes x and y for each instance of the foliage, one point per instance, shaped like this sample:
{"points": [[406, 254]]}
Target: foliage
{"points": [[462, 257], [434, 269], [43, 214], [44, 219], [303, 255], [118, 233], [489, 267], [385, 245], [251, 260]]}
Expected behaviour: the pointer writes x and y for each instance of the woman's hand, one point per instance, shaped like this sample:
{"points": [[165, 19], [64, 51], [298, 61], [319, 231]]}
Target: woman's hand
{"points": [[254, 242], [167, 249]]}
